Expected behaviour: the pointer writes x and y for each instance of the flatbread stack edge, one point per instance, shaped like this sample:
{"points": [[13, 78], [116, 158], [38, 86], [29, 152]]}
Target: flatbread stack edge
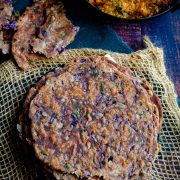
{"points": [[92, 119]]}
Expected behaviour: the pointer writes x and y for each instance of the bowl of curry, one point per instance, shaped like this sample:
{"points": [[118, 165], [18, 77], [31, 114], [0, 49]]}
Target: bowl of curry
{"points": [[133, 9]]}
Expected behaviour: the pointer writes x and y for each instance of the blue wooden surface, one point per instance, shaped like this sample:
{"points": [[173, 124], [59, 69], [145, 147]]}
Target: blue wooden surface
{"points": [[164, 31]]}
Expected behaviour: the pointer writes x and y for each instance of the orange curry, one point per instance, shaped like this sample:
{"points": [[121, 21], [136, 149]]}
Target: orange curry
{"points": [[130, 8]]}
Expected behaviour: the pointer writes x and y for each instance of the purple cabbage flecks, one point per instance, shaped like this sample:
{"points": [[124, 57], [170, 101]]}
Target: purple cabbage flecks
{"points": [[115, 116], [100, 154], [112, 100], [39, 114], [131, 148], [63, 110], [113, 78], [99, 98], [83, 60], [110, 158], [86, 173], [8, 1], [52, 118], [130, 172], [73, 117], [76, 28], [94, 138], [10, 25], [60, 50], [133, 126], [137, 83], [148, 111], [121, 92], [44, 33], [73, 122], [85, 85], [100, 164], [78, 75], [122, 83]]}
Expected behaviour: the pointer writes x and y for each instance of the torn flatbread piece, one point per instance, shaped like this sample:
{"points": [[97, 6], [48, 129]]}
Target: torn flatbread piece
{"points": [[55, 34], [42, 30], [7, 25], [27, 26], [6, 10]]}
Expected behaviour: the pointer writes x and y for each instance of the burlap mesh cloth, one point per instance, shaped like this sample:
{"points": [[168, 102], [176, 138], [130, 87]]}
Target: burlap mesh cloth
{"points": [[147, 64]]}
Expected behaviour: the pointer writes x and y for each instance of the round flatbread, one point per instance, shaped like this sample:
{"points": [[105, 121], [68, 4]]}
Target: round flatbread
{"points": [[24, 121], [94, 120]]}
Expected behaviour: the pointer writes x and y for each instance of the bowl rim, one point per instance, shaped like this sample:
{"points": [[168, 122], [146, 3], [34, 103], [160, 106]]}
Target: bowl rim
{"points": [[168, 9]]}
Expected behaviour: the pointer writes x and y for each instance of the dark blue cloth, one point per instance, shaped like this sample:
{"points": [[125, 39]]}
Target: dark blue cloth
{"points": [[99, 37]]}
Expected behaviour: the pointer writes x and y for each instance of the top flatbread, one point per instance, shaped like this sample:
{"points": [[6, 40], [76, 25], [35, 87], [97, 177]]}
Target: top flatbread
{"points": [[25, 123], [127, 144]]}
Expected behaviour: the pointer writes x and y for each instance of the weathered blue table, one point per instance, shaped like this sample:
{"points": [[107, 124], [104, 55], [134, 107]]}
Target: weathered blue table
{"points": [[164, 31]]}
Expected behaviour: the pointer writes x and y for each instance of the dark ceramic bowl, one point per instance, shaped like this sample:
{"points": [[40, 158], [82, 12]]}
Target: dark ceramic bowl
{"points": [[173, 6]]}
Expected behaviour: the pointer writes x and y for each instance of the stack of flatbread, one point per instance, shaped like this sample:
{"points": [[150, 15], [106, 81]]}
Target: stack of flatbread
{"points": [[92, 119]]}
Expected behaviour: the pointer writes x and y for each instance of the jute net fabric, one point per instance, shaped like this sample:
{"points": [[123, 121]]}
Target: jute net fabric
{"points": [[147, 64]]}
